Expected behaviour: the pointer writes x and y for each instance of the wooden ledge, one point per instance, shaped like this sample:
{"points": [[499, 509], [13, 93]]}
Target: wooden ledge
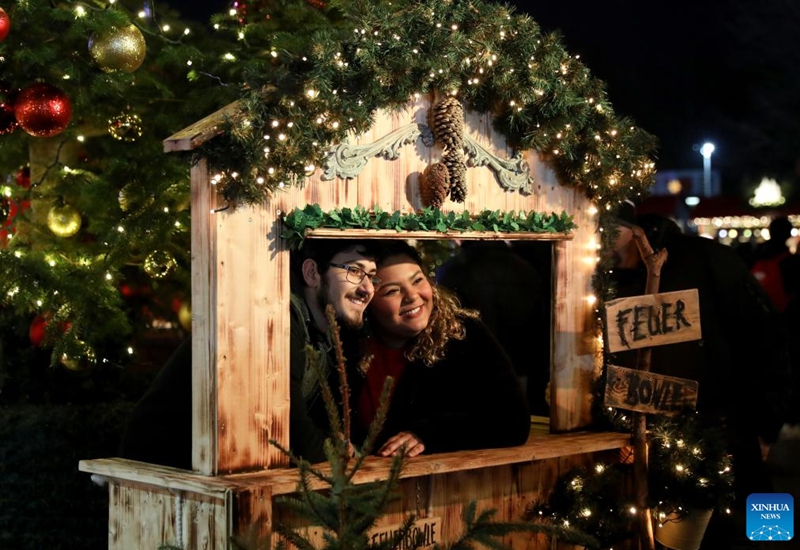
{"points": [[330, 233], [284, 481]]}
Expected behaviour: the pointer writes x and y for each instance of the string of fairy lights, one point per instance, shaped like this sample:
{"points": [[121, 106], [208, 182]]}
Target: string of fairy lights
{"points": [[689, 470]]}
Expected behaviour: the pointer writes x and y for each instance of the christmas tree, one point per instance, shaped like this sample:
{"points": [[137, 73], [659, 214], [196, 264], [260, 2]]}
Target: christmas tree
{"points": [[95, 217]]}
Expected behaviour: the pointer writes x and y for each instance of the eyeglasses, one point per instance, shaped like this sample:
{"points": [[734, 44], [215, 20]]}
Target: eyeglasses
{"points": [[355, 274]]}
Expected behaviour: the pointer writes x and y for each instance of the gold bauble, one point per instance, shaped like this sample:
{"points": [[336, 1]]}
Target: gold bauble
{"points": [[125, 127], [131, 198], [119, 49], [82, 359], [158, 264], [185, 316], [64, 220]]}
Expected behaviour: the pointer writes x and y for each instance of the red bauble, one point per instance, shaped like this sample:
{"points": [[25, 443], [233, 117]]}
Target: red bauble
{"points": [[24, 177], [42, 110], [15, 208], [5, 24], [37, 330]]}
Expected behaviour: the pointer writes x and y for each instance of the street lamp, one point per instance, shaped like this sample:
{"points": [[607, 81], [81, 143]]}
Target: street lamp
{"points": [[706, 150]]}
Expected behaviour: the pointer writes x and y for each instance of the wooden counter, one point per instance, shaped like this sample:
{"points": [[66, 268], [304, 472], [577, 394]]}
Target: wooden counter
{"points": [[152, 505]]}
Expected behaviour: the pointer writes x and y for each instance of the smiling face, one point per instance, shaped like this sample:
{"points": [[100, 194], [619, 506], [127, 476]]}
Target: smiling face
{"points": [[348, 299], [402, 305]]}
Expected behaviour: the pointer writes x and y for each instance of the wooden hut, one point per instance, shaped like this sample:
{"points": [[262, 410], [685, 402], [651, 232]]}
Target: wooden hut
{"points": [[241, 333]]}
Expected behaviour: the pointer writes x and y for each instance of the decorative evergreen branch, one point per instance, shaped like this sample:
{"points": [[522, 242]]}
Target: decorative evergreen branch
{"points": [[331, 83]]}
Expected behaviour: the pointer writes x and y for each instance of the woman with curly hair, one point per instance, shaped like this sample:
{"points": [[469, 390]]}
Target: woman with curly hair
{"points": [[454, 386]]}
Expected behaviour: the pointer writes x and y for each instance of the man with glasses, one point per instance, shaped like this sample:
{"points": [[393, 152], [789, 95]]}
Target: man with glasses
{"points": [[339, 272]]}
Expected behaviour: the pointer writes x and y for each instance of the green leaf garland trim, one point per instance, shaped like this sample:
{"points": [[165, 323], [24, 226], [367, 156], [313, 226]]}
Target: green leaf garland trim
{"points": [[299, 220]]}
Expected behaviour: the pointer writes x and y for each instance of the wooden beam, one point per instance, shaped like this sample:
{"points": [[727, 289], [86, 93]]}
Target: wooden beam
{"points": [[203, 130]]}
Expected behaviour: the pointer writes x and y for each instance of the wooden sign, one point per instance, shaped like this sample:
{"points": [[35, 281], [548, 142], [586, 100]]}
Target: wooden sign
{"points": [[652, 320], [647, 392], [428, 528]]}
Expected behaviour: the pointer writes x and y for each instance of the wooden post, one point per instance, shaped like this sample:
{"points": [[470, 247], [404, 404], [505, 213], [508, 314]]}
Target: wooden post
{"points": [[653, 261]]}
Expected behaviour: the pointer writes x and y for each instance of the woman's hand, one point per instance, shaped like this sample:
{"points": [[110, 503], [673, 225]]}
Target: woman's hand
{"points": [[411, 442]]}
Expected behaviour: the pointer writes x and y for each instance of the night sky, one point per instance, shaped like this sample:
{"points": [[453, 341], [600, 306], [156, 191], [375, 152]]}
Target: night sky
{"points": [[686, 71]]}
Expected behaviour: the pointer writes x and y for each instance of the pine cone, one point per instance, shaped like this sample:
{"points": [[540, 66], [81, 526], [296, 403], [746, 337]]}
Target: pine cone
{"points": [[434, 185], [457, 168], [446, 121]]}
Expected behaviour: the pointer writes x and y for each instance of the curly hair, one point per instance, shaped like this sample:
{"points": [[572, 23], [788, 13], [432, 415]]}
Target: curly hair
{"points": [[446, 322], [447, 316]]}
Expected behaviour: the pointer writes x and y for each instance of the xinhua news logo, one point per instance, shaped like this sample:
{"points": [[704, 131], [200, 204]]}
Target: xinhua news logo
{"points": [[770, 516]]}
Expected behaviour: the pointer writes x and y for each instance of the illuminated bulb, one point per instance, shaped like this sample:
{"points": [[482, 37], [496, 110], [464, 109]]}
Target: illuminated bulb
{"points": [[273, 53], [186, 31], [39, 303], [259, 180], [586, 512], [679, 467], [79, 11], [108, 276], [632, 510], [130, 350], [120, 229], [165, 28], [591, 299], [599, 468]]}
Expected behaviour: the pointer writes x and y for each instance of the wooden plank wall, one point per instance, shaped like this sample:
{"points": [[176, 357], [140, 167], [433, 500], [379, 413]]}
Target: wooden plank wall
{"points": [[245, 334], [146, 516]]}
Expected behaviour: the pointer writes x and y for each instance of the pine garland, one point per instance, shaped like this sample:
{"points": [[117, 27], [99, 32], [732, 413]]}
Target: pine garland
{"points": [[496, 61]]}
